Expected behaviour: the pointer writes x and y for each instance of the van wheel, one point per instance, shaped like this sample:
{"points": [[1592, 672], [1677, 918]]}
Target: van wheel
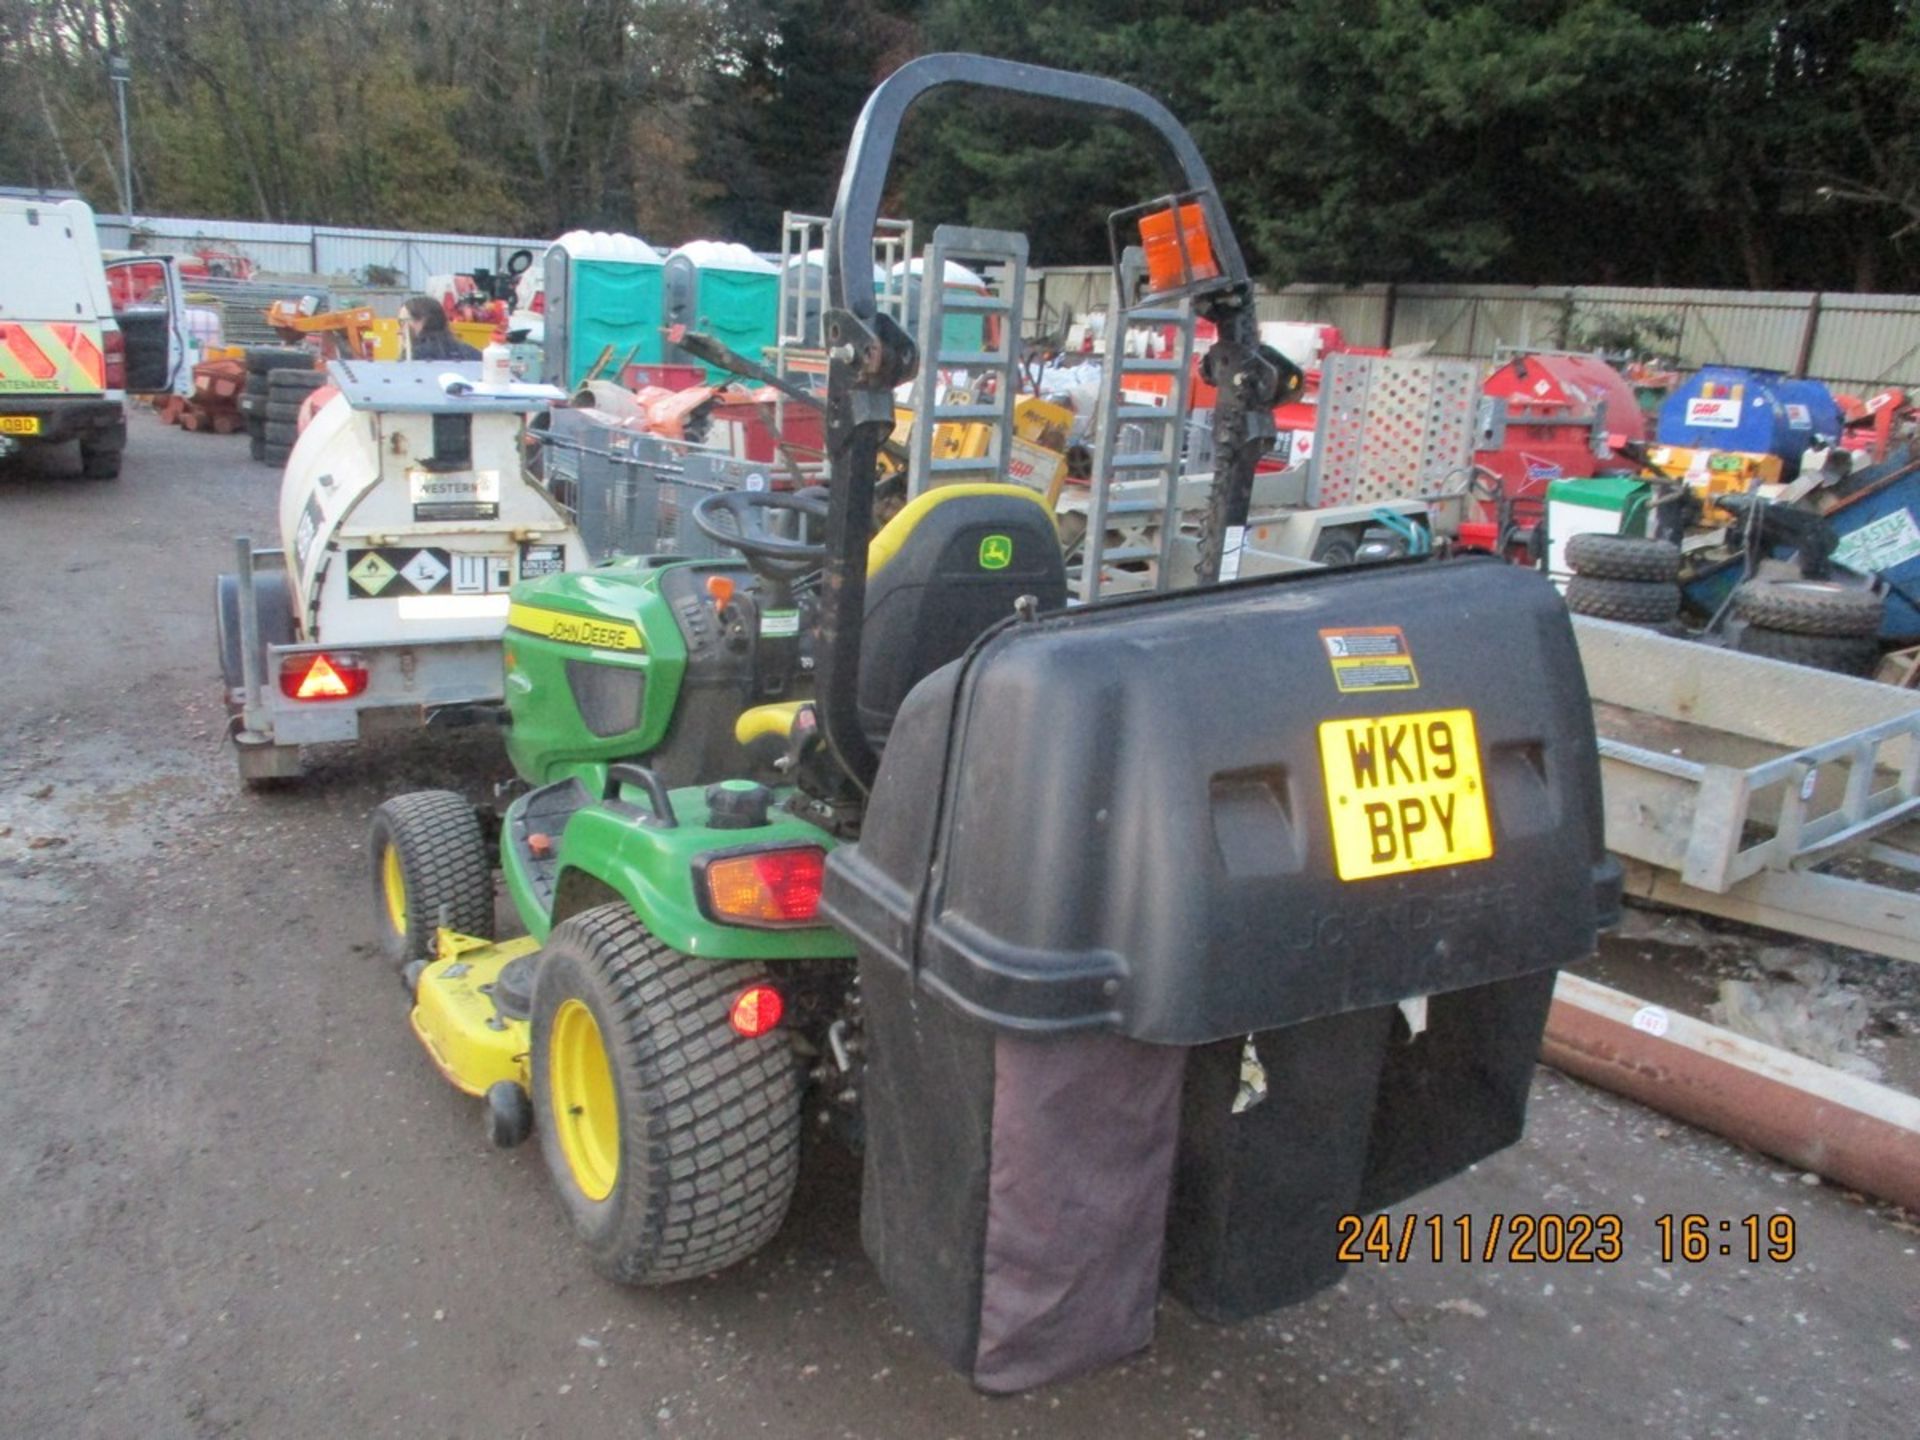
{"points": [[428, 857], [673, 1142], [97, 462]]}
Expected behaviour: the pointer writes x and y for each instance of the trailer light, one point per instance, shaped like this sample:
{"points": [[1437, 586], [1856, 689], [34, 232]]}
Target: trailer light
{"points": [[757, 1010], [322, 677], [766, 887]]}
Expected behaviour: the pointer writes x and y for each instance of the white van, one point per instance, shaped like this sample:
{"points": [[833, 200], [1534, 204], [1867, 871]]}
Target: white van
{"points": [[77, 335]]}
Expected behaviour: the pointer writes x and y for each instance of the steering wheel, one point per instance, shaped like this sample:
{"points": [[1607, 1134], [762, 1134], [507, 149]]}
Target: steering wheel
{"points": [[737, 518]]}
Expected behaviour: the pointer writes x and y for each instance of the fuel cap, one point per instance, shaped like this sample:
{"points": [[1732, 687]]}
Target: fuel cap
{"points": [[737, 805]]}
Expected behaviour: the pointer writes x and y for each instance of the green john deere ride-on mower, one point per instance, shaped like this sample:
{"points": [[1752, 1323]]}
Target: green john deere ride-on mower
{"points": [[1141, 940]]}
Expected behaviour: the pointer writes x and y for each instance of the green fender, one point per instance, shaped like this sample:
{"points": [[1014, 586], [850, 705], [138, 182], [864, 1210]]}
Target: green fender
{"points": [[652, 868]]}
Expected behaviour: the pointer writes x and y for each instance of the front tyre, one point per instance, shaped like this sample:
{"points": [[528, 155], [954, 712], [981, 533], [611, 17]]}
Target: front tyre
{"points": [[428, 858], [673, 1142]]}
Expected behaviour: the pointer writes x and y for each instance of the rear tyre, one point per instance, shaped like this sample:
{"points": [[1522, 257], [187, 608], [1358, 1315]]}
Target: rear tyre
{"points": [[428, 856], [1635, 602], [1842, 654], [98, 462], [1809, 607], [1623, 557], [673, 1142]]}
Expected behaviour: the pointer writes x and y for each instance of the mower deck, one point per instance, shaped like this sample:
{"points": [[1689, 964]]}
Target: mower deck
{"points": [[474, 1041]]}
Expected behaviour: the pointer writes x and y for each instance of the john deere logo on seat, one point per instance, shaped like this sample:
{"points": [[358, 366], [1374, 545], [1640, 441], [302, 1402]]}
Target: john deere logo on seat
{"points": [[996, 552]]}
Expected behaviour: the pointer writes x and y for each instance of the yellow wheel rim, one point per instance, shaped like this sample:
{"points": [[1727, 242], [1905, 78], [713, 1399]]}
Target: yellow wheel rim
{"points": [[586, 1116], [393, 889]]}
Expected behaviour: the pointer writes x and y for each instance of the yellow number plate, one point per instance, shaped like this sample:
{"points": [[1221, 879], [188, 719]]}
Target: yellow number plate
{"points": [[1404, 793], [19, 424]]}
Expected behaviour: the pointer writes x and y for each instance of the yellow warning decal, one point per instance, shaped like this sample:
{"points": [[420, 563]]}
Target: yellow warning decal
{"points": [[575, 629], [1375, 657]]}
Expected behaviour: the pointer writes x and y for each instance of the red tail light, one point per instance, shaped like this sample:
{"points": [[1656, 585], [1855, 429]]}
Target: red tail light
{"points": [[756, 1011], [539, 306], [113, 347], [322, 677], [766, 887]]}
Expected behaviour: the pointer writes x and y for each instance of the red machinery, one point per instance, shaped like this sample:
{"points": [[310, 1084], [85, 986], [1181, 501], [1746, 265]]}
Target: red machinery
{"points": [[1873, 425], [1550, 417]]}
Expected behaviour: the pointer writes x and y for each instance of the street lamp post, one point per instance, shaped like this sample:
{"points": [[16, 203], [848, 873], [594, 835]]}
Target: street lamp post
{"points": [[120, 72]]}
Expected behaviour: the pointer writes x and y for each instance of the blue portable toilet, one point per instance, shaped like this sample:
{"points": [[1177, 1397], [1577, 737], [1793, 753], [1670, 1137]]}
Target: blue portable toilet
{"points": [[1753, 412], [603, 291]]}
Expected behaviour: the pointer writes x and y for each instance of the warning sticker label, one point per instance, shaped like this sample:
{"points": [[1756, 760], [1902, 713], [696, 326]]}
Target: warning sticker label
{"points": [[1372, 658], [396, 570]]}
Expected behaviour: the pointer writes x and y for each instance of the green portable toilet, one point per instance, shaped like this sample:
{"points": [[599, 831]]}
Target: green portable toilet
{"points": [[603, 291], [964, 332], [726, 291]]}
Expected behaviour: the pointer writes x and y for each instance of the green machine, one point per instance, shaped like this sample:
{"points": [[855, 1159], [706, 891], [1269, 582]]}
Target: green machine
{"points": [[865, 827], [603, 296], [726, 291]]}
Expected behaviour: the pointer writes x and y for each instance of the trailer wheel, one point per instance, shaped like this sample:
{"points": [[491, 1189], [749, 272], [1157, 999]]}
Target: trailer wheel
{"points": [[1623, 557], [1335, 548], [673, 1142], [1809, 607], [1842, 654], [1636, 602], [428, 856]]}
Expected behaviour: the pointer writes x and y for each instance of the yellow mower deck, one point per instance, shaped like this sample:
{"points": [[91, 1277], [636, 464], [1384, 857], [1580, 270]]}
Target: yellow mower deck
{"points": [[455, 1017]]}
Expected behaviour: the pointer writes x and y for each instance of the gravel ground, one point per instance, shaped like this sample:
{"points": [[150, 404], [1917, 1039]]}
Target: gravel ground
{"points": [[243, 1204]]}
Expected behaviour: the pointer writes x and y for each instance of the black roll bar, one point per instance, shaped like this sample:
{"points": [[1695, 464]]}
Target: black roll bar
{"points": [[868, 354]]}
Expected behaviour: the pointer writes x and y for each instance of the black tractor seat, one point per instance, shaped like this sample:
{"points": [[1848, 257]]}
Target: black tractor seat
{"points": [[949, 566]]}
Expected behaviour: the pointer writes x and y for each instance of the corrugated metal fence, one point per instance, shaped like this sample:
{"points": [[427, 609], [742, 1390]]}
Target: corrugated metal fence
{"points": [[1853, 342], [410, 256]]}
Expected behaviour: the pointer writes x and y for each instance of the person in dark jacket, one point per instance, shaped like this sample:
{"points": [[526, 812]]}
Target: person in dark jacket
{"points": [[427, 333]]}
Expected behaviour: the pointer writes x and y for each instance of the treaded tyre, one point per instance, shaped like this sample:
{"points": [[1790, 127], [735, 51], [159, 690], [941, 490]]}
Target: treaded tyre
{"points": [[427, 853], [275, 455], [257, 442], [264, 358], [99, 462], [1809, 607], [302, 379], [282, 433], [1622, 557], [673, 1142], [1636, 602], [287, 412], [1842, 654]]}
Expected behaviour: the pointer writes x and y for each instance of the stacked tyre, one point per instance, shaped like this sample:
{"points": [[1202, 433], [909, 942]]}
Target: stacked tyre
{"points": [[1810, 622], [1623, 578], [287, 391], [262, 361]]}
